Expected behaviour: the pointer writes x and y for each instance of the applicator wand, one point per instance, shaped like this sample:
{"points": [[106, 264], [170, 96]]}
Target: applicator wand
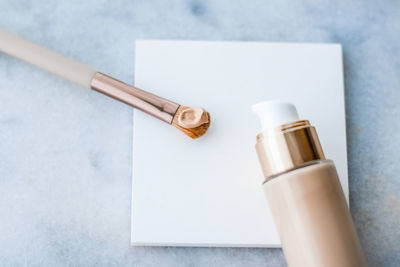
{"points": [[194, 122]]}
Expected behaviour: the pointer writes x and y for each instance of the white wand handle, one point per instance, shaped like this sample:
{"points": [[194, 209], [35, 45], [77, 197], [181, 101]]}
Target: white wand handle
{"points": [[46, 59]]}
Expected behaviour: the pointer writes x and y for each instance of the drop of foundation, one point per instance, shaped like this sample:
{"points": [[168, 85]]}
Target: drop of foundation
{"points": [[192, 117]]}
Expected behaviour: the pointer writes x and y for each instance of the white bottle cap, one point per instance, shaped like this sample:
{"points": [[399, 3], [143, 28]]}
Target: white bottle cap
{"points": [[275, 113]]}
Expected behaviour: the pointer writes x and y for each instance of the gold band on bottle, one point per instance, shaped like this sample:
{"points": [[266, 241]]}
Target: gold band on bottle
{"points": [[288, 146]]}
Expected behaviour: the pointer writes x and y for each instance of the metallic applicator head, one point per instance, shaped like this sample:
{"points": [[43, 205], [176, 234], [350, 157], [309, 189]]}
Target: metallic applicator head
{"points": [[194, 122]]}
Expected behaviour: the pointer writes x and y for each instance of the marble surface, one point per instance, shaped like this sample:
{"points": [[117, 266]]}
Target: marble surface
{"points": [[65, 152]]}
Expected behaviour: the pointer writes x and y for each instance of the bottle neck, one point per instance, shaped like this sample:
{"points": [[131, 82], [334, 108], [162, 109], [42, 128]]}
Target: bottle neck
{"points": [[287, 147]]}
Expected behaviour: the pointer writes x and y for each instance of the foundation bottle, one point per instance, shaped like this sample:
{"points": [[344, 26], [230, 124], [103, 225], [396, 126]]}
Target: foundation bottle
{"points": [[303, 192]]}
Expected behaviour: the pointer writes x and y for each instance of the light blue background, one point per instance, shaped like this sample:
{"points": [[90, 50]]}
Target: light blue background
{"points": [[65, 152]]}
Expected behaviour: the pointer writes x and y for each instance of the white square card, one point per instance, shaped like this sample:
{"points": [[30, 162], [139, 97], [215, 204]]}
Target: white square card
{"points": [[207, 192]]}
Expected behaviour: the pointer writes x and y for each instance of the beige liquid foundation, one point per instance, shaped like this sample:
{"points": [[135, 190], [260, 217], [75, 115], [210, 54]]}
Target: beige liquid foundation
{"points": [[303, 192]]}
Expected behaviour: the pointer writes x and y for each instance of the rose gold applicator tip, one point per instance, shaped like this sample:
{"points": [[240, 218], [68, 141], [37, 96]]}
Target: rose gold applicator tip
{"points": [[194, 122]]}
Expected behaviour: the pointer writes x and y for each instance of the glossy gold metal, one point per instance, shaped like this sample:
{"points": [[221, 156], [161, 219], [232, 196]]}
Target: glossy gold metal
{"points": [[288, 146], [154, 105]]}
